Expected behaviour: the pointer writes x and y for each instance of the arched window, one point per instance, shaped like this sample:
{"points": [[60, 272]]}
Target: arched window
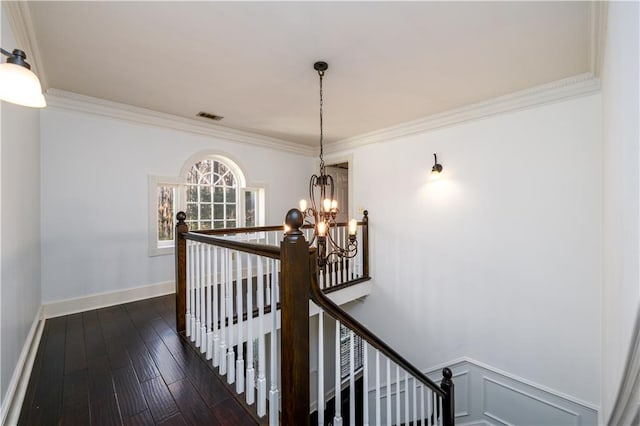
{"points": [[212, 196], [211, 190]]}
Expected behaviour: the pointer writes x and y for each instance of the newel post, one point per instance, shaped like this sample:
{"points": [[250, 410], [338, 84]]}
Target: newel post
{"points": [[448, 405], [294, 302], [365, 244], [181, 271]]}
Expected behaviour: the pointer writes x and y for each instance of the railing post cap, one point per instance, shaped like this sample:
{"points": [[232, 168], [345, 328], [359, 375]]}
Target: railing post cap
{"points": [[446, 373], [181, 216], [294, 220]]}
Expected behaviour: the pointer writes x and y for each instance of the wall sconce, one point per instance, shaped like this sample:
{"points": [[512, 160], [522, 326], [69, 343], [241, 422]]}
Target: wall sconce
{"points": [[18, 84], [437, 168]]}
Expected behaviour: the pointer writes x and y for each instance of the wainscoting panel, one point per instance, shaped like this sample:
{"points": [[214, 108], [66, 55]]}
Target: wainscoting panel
{"points": [[507, 405], [485, 395]]}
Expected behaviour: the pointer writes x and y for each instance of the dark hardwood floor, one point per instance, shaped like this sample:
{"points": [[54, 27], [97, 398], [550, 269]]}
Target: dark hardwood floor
{"points": [[125, 365]]}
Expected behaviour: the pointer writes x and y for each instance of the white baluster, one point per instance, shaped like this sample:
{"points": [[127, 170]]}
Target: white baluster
{"points": [[250, 386], [415, 402], [203, 308], [223, 308], [274, 404], [240, 325], [216, 310], [231, 357], [388, 392], [378, 418], [406, 396], [398, 395], [337, 419], [189, 285], [429, 407], [197, 323], [440, 411], [342, 276], [262, 381], [210, 288], [268, 287], [352, 380], [422, 417], [365, 384], [321, 406]]}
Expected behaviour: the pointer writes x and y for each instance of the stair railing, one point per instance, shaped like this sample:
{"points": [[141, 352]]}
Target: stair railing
{"points": [[226, 286]]}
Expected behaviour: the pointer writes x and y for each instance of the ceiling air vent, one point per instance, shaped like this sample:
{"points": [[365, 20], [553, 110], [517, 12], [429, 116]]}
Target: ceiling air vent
{"points": [[209, 116]]}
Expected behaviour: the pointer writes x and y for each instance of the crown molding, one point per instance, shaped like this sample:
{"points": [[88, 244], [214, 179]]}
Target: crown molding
{"points": [[598, 35], [75, 102], [579, 85], [21, 24]]}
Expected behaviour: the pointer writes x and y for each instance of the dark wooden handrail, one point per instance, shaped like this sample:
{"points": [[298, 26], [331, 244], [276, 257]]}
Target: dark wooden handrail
{"points": [[259, 249], [253, 229]]}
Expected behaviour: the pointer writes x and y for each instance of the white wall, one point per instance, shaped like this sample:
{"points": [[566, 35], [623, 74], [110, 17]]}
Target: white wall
{"points": [[20, 227], [95, 196], [500, 259], [620, 97]]}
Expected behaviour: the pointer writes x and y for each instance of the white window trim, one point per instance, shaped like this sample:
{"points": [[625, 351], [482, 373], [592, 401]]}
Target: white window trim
{"points": [[156, 248]]}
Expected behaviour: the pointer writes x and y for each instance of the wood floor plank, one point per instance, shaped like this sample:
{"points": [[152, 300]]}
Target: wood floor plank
{"points": [[100, 379], [128, 392], [73, 415], [141, 419], [47, 403], [93, 338], [117, 352], [175, 420], [28, 401], [105, 412], [159, 399], [75, 355], [166, 364], [76, 389], [192, 407], [229, 412], [143, 363]]}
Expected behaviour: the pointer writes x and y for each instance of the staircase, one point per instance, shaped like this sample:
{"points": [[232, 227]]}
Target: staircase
{"points": [[244, 298]]}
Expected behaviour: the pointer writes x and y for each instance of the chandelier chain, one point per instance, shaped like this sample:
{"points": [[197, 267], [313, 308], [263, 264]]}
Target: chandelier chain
{"points": [[321, 74]]}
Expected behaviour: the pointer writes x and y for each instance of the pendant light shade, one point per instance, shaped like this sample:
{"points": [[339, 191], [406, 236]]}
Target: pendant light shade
{"points": [[18, 84]]}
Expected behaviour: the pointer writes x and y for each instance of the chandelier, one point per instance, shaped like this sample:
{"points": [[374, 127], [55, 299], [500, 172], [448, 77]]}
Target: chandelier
{"points": [[323, 211]]}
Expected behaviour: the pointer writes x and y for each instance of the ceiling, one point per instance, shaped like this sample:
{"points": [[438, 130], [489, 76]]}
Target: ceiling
{"points": [[389, 62]]}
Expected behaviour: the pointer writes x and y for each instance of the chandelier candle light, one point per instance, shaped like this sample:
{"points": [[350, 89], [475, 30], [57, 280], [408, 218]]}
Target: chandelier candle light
{"points": [[324, 207]]}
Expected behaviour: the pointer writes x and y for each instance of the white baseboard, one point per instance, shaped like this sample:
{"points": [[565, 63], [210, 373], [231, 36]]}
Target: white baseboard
{"points": [[102, 300], [12, 402]]}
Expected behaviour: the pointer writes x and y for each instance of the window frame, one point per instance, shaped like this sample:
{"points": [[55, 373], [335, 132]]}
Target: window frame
{"points": [[157, 247]]}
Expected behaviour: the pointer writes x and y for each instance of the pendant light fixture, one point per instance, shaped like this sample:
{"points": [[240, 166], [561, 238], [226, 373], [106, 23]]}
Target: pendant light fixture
{"points": [[18, 84], [322, 212]]}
